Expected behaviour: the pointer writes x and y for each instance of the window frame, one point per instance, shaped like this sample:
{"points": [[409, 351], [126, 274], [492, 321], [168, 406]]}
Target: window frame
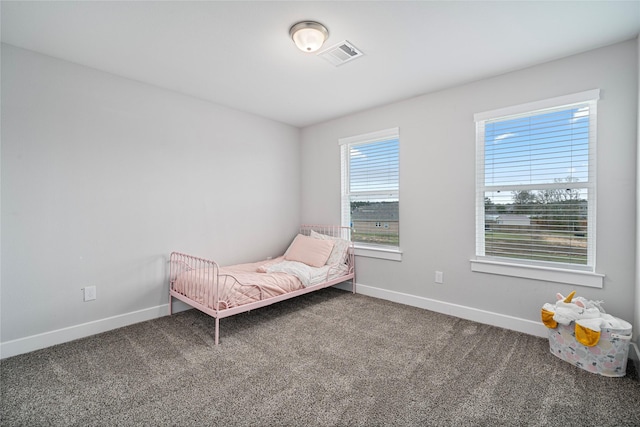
{"points": [[574, 274], [382, 251]]}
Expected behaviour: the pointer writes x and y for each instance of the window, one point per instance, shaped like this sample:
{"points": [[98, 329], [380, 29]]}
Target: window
{"points": [[370, 188], [535, 183]]}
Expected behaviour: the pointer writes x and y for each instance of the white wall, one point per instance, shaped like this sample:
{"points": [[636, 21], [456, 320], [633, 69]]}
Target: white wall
{"points": [[636, 324], [102, 177], [437, 178]]}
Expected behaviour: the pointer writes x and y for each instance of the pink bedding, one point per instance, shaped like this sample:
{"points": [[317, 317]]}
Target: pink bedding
{"points": [[236, 284]]}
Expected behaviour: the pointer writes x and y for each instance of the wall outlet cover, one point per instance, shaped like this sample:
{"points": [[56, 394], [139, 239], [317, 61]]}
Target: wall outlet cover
{"points": [[89, 293]]}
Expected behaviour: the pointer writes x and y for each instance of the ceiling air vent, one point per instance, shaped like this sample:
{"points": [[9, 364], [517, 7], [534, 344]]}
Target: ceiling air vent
{"points": [[341, 53]]}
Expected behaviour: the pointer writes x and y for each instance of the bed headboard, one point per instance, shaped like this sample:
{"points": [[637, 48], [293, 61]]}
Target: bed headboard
{"points": [[329, 230]]}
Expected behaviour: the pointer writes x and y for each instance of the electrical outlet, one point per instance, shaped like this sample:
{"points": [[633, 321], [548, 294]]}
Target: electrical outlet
{"points": [[439, 277], [89, 293]]}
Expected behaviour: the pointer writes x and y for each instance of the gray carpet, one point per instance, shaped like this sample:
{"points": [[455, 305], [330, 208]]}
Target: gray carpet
{"points": [[329, 358]]}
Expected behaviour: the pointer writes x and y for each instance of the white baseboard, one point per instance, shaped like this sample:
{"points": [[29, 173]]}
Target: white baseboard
{"points": [[59, 336], [481, 316], [634, 353], [47, 339]]}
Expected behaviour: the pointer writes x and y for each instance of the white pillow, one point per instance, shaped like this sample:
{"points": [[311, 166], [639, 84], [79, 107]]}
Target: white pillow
{"points": [[312, 252], [339, 251]]}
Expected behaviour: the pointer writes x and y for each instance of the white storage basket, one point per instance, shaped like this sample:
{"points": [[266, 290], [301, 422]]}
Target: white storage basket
{"points": [[608, 357]]}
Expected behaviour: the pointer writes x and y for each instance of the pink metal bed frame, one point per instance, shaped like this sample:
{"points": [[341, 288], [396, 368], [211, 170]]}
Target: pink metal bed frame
{"points": [[181, 263]]}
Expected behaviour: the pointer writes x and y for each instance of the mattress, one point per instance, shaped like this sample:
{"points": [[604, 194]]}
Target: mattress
{"points": [[233, 285]]}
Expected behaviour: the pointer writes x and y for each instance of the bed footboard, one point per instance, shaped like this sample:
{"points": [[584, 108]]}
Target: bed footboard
{"points": [[186, 275], [198, 283]]}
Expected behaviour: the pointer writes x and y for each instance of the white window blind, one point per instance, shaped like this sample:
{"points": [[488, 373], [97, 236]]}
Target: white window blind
{"points": [[535, 183], [370, 187]]}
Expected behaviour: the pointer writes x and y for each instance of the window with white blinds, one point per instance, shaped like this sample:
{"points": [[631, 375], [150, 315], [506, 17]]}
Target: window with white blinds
{"points": [[535, 183], [370, 187]]}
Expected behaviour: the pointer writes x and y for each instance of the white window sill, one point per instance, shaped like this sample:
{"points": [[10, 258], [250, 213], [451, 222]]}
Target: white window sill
{"points": [[380, 252], [548, 274]]}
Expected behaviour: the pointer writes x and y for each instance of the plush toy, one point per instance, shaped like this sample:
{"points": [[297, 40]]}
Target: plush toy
{"points": [[589, 317], [570, 309]]}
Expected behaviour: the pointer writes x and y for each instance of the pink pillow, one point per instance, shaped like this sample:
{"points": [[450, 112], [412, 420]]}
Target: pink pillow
{"points": [[313, 252]]}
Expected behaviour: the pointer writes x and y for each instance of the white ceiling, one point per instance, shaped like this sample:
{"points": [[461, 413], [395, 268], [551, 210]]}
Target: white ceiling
{"points": [[239, 53]]}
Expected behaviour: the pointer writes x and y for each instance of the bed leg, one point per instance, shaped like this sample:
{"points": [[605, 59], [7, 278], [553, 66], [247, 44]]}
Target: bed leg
{"points": [[217, 332]]}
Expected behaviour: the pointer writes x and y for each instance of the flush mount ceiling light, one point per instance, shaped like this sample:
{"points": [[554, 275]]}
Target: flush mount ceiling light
{"points": [[309, 35]]}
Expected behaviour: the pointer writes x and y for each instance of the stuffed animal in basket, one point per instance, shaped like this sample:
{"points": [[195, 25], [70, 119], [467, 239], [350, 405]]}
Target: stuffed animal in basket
{"points": [[588, 316]]}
